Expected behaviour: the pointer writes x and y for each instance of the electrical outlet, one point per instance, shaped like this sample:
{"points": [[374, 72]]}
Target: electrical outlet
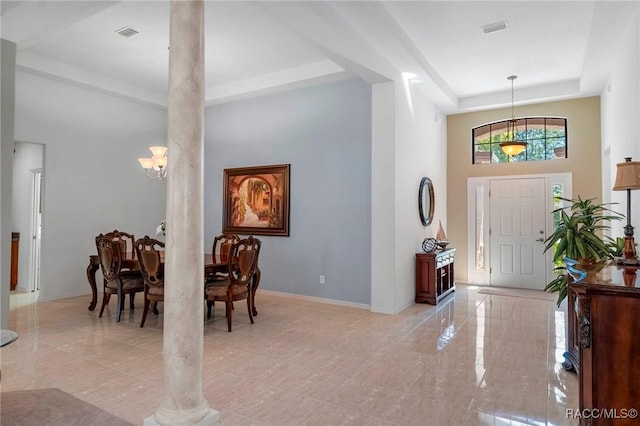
{"points": [[321, 279]]}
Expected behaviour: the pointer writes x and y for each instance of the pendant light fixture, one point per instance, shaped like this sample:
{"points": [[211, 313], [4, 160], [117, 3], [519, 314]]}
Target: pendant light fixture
{"points": [[512, 146]]}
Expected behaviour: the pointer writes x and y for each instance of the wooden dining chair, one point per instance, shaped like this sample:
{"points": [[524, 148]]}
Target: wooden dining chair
{"points": [[126, 242], [221, 245], [242, 262], [116, 280], [152, 268]]}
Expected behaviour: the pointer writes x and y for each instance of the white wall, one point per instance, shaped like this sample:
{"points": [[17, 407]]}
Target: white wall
{"points": [[409, 143], [7, 114], [92, 180], [620, 111], [420, 151], [383, 211], [27, 157]]}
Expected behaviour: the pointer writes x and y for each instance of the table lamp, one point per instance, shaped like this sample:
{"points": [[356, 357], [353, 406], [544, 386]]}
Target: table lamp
{"points": [[628, 178]]}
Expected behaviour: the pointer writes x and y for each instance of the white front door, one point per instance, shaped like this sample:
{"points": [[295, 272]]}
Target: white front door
{"points": [[517, 232]]}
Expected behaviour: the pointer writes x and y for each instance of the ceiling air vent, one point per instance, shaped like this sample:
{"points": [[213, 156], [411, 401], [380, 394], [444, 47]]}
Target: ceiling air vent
{"points": [[126, 32], [492, 28]]}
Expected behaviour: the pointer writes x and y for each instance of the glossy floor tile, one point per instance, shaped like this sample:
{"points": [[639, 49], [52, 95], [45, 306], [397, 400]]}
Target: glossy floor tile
{"points": [[475, 359]]}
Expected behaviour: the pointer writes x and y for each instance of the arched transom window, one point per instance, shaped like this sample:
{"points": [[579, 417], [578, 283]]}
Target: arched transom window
{"points": [[546, 139]]}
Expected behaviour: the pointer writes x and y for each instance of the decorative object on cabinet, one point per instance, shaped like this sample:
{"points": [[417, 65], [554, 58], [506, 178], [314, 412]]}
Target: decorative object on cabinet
{"points": [[426, 201], [256, 200], [434, 276], [429, 245], [441, 236], [576, 237], [628, 178], [602, 345], [581, 270]]}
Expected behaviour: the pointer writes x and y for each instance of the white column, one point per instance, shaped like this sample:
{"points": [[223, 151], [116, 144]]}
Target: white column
{"points": [[183, 402], [7, 120]]}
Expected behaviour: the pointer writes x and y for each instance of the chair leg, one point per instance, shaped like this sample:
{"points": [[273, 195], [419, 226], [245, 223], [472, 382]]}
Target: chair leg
{"points": [[155, 309], [144, 312], [209, 306], [249, 308], [120, 304], [132, 297], [226, 307], [105, 301], [229, 309]]}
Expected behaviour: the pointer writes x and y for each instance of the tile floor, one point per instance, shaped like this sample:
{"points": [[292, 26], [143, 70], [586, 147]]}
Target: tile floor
{"points": [[476, 359]]}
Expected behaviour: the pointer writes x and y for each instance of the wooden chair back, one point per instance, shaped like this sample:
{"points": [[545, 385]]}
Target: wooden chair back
{"points": [[126, 242], [223, 242], [243, 259], [148, 254], [110, 257]]}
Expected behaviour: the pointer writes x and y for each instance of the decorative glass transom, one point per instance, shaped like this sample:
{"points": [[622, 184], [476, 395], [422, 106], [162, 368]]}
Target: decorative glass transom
{"points": [[546, 139]]}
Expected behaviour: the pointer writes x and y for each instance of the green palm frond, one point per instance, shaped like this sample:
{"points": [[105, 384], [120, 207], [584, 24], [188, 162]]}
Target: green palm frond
{"points": [[578, 235]]}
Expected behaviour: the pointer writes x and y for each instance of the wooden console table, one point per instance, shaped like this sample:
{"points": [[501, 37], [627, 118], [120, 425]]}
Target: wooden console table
{"points": [[434, 276], [604, 326]]}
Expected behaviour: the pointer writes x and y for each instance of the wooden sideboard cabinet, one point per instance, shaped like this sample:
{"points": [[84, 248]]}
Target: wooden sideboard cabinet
{"points": [[434, 276], [606, 329], [573, 344]]}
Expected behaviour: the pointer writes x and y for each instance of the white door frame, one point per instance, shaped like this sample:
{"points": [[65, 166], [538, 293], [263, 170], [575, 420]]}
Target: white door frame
{"points": [[478, 205], [36, 229]]}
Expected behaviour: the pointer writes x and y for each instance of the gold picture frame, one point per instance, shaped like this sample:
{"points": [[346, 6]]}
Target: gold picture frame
{"points": [[256, 200]]}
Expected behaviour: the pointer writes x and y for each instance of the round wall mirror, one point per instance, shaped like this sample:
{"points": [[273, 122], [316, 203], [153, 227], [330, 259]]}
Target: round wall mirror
{"points": [[426, 201]]}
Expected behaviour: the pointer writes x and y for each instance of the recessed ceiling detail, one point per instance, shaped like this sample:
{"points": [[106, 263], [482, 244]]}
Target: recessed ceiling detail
{"points": [[495, 27], [447, 44], [126, 32]]}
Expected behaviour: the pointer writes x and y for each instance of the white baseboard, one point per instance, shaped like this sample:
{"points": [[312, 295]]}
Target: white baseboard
{"points": [[316, 299]]}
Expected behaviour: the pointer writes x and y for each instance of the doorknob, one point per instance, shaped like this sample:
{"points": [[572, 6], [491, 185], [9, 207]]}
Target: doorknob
{"points": [[540, 240]]}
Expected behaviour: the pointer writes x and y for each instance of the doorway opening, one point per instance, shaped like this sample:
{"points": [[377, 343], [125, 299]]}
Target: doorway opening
{"points": [[27, 216], [508, 219]]}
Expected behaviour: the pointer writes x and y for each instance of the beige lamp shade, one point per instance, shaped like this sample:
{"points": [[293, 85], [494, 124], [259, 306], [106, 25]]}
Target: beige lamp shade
{"points": [[513, 147], [160, 162], [158, 151], [628, 175], [146, 163]]}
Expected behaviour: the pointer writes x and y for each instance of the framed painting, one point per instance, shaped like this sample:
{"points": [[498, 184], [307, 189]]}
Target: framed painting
{"points": [[256, 200]]}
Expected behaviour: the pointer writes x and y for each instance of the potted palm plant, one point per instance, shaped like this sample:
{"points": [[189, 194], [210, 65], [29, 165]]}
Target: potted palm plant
{"points": [[578, 236]]}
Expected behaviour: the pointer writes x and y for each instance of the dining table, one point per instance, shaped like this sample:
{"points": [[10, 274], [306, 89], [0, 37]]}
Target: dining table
{"points": [[213, 263]]}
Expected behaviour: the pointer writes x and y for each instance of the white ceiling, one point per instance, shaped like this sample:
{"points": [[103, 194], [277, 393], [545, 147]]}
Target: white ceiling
{"points": [[559, 49]]}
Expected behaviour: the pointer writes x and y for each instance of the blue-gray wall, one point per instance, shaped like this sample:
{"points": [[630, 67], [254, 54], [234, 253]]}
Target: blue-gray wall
{"points": [[324, 132]]}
